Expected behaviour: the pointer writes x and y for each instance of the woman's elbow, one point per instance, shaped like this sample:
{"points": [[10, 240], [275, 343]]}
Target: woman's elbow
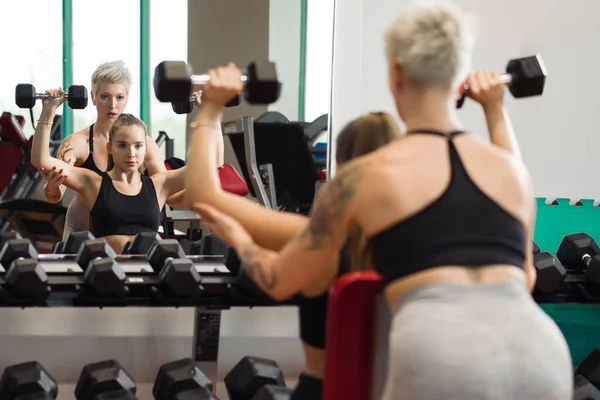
{"points": [[195, 194]]}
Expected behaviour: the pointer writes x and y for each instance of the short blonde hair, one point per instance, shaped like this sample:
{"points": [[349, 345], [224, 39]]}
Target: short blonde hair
{"points": [[111, 72], [432, 42]]}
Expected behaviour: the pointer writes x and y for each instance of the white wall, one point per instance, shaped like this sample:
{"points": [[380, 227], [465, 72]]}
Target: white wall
{"points": [[319, 57], [284, 50], [555, 131]]}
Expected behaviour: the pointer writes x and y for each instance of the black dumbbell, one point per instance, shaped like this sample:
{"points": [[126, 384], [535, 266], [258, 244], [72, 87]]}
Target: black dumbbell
{"points": [[74, 241], [173, 82], [103, 275], [104, 377], [58, 247], [196, 394], [589, 368], [25, 278], [584, 389], [116, 395], [550, 273], [141, 243], [213, 246], [580, 252], [186, 107], [250, 374], [25, 96], [163, 250], [273, 392], [181, 378], [525, 77], [6, 236], [536, 248], [179, 278], [28, 380]]}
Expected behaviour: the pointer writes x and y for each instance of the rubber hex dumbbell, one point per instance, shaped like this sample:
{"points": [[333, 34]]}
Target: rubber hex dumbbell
{"points": [[579, 251], [272, 392], [180, 278], [141, 243], [103, 275], [525, 77], [173, 82], [6, 236], [536, 248], [162, 250], [589, 368], [186, 107], [116, 395], [74, 241], [27, 380], [250, 374], [26, 96], [584, 389], [104, 377], [550, 273], [180, 379]]}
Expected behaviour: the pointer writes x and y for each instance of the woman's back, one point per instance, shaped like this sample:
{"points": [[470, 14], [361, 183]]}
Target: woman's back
{"points": [[408, 175], [420, 220]]}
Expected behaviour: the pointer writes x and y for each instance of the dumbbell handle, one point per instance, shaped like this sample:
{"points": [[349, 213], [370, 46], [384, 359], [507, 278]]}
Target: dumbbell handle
{"points": [[504, 78], [44, 96], [586, 259], [201, 80]]}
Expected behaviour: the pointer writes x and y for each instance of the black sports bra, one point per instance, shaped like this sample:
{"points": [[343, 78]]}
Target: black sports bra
{"points": [[461, 227], [89, 162], [115, 213]]}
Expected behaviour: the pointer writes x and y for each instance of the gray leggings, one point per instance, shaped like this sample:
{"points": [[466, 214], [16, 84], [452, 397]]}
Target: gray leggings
{"points": [[77, 218], [484, 342]]}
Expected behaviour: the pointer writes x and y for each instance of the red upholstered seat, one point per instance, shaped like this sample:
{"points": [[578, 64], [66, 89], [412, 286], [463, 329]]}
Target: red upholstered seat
{"points": [[231, 181], [349, 339], [11, 130]]}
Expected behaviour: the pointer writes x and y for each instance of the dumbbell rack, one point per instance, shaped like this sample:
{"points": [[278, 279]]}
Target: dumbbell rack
{"points": [[218, 292]]}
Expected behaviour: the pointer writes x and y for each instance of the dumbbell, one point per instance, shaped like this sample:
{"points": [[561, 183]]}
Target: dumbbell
{"points": [[173, 82], [525, 77], [141, 243], [178, 276], [186, 107], [28, 380], [587, 376], [105, 380], [73, 242], [25, 278], [580, 252], [584, 389], [249, 375], [103, 275], [536, 248], [26, 96], [550, 274], [181, 379], [211, 245], [58, 247]]}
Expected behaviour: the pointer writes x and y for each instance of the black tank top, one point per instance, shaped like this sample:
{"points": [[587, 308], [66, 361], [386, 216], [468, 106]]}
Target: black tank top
{"points": [[89, 162], [117, 214], [461, 227]]}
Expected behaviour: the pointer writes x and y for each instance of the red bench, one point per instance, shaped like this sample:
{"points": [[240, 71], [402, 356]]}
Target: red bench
{"points": [[349, 339]]}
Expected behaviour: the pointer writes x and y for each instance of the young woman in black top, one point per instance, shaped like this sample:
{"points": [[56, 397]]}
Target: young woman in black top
{"points": [[122, 200], [110, 85]]}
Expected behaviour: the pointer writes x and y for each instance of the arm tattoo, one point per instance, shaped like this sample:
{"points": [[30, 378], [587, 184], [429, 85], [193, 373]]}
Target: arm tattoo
{"points": [[253, 260], [331, 207], [65, 148]]}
